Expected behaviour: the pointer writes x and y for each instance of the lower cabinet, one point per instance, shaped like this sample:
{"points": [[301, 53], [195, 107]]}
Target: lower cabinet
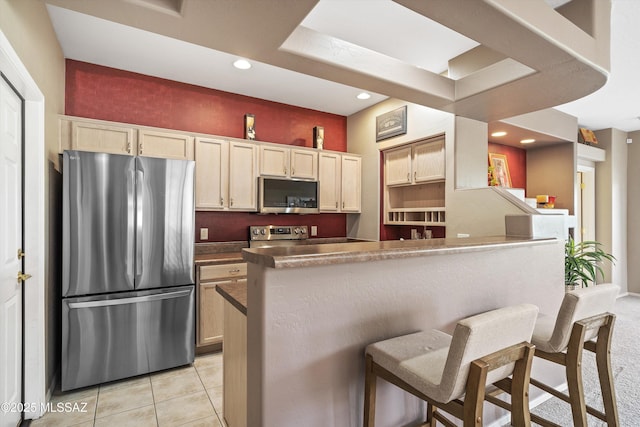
{"points": [[210, 312]]}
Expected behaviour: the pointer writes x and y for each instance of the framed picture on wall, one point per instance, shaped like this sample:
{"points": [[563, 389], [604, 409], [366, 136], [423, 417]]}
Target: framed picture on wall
{"points": [[391, 124], [500, 169]]}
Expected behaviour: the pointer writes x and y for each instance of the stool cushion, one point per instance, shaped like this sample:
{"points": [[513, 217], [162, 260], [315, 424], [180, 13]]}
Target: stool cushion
{"points": [[552, 334], [438, 365]]}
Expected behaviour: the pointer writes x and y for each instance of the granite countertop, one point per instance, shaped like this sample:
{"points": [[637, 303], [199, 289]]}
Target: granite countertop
{"points": [[219, 252], [340, 253], [235, 293]]}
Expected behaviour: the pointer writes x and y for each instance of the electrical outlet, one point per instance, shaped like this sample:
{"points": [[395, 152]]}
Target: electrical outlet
{"points": [[314, 230], [204, 234]]}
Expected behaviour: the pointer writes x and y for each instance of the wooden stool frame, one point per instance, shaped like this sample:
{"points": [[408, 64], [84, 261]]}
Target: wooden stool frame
{"points": [[469, 410], [572, 361]]}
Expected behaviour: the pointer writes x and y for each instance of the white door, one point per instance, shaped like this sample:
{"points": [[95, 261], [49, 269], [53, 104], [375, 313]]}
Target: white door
{"points": [[10, 261]]}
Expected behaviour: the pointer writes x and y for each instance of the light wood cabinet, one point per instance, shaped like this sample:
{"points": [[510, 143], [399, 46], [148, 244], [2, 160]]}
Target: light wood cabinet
{"points": [[167, 145], [339, 177], [397, 166], [330, 182], [351, 183], [304, 164], [104, 138], [285, 162], [243, 183], [212, 173], [78, 133], [210, 310], [274, 161], [428, 161], [415, 163], [226, 173], [414, 177]]}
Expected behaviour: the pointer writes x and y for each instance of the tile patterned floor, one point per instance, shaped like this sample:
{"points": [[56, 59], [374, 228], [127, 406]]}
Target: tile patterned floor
{"points": [[186, 396]]}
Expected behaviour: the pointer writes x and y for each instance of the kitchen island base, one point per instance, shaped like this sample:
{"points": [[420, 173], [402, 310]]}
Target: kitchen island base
{"points": [[311, 315]]}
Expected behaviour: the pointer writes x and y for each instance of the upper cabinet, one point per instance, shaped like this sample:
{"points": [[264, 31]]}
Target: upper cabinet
{"points": [[212, 173], [168, 145], [428, 161], [339, 177], [226, 173], [351, 183], [243, 173], [304, 164], [285, 162], [416, 163], [105, 138], [118, 138]]}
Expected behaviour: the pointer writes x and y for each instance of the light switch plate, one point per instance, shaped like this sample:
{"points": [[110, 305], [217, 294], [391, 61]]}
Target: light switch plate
{"points": [[314, 230], [204, 234]]}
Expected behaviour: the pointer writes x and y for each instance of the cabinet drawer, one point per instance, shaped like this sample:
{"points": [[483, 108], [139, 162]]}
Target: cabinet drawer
{"points": [[222, 271]]}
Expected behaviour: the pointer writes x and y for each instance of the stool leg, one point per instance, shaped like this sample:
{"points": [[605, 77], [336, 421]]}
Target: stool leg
{"points": [[574, 381], [369, 393], [431, 420], [603, 361]]}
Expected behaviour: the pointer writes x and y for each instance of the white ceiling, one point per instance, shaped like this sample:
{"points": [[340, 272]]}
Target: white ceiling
{"points": [[617, 103], [381, 26]]}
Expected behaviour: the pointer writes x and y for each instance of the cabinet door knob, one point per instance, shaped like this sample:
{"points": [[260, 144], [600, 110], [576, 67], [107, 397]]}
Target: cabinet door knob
{"points": [[140, 149], [293, 172], [415, 175], [129, 147], [408, 177], [231, 202], [336, 204], [221, 201]]}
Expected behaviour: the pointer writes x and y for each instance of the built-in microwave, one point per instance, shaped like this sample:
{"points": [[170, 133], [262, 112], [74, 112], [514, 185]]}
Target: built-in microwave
{"points": [[287, 196]]}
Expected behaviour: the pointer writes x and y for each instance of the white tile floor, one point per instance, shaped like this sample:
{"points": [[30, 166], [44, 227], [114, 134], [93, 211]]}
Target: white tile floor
{"points": [[187, 396]]}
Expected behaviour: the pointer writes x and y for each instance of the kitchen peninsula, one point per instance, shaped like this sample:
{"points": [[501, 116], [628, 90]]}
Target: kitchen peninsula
{"points": [[311, 310]]}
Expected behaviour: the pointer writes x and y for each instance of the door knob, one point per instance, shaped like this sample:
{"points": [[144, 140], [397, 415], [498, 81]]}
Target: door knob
{"points": [[23, 277]]}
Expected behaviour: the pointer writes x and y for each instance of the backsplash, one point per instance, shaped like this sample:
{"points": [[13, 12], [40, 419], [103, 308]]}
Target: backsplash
{"points": [[230, 226]]}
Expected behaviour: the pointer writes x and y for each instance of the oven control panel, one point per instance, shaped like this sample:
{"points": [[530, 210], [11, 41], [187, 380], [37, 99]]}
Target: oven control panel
{"points": [[278, 232]]}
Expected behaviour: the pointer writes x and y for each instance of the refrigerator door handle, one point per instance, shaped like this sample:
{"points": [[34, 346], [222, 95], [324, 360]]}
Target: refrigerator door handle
{"points": [[131, 179], [139, 216], [133, 300]]}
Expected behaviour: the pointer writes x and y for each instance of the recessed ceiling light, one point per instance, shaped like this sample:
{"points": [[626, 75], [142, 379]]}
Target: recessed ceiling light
{"points": [[501, 133], [242, 64], [363, 95], [527, 141]]}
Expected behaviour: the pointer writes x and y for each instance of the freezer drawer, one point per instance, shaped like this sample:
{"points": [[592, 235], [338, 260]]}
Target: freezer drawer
{"points": [[109, 337]]}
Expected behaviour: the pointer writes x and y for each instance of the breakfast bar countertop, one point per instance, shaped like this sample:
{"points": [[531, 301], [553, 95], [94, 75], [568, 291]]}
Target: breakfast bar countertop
{"points": [[363, 251], [235, 293]]}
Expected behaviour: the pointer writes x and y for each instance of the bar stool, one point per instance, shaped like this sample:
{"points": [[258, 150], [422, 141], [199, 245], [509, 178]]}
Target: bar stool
{"points": [[583, 315], [441, 369]]}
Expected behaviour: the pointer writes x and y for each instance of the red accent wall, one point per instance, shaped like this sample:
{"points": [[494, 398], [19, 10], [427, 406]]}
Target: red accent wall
{"points": [[104, 93], [517, 160]]}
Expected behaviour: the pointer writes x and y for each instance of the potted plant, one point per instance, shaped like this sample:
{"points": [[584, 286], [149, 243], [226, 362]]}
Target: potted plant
{"points": [[582, 263]]}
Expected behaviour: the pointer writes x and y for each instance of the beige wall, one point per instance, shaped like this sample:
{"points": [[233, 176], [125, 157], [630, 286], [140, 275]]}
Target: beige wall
{"points": [[633, 207], [26, 24], [552, 170], [611, 204]]}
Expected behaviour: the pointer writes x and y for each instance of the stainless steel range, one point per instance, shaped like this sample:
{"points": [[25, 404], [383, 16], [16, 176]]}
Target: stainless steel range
{"points": [[261, 236]]}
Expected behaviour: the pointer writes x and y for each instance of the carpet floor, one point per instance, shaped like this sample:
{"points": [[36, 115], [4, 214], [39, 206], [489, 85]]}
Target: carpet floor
{"points": [[625, 350]]}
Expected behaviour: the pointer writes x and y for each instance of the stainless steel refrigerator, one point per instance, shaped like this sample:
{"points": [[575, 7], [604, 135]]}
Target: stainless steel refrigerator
{"points": [[127, 274]]}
